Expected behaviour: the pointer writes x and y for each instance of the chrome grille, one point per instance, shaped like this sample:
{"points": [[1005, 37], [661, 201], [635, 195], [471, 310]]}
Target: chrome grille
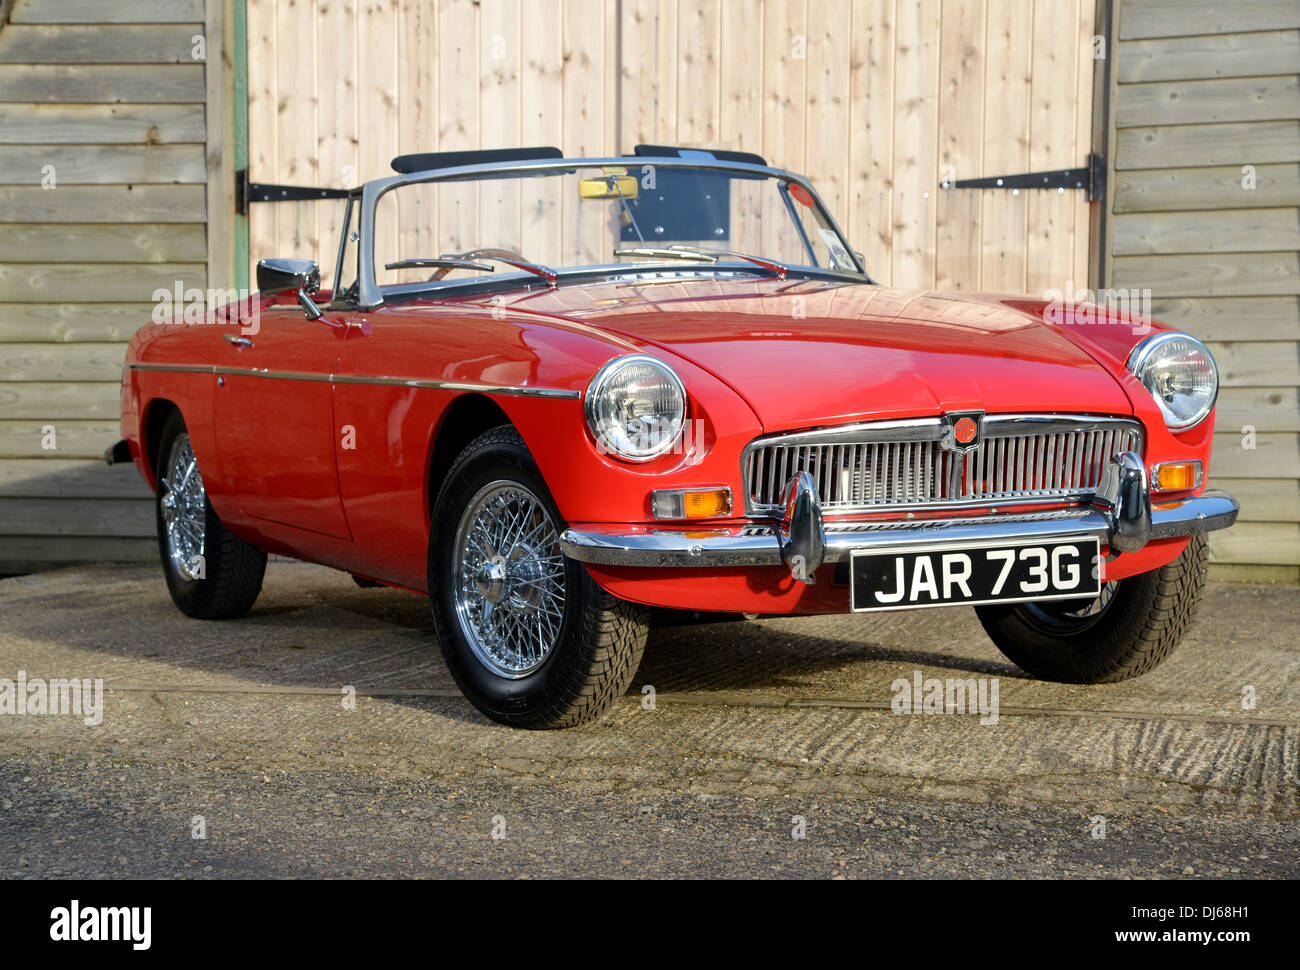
{"points": [[901, 464]]}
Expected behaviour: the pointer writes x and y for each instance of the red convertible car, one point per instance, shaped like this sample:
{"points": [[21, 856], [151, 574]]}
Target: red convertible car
{"points": [[553, 393]]}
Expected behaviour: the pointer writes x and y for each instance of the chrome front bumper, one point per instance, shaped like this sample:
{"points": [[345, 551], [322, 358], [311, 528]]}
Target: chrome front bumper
{"points": [[1121, 516]]}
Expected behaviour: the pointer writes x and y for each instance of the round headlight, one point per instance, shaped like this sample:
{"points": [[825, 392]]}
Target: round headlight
{"points": [[1181, 375], [636, 407]]}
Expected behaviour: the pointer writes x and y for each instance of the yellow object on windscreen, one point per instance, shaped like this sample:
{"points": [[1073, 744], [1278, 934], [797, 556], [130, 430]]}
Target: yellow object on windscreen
{"points": [[612, 185]]}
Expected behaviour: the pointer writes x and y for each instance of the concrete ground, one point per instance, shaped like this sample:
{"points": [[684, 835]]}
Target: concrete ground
{"points": [[759, 732]]}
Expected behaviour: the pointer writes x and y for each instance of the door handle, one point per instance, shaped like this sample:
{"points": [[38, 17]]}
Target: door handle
{"points": [[240, 342]]}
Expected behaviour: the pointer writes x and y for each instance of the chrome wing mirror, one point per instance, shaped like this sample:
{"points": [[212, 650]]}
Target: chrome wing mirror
{"points": [[276, 276]]}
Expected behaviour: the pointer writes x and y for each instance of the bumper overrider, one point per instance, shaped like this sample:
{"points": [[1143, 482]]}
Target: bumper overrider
{"points": [[1121, 516]]}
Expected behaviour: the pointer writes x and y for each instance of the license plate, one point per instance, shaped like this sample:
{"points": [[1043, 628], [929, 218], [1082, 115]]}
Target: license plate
{"points": [[1001, 572]]}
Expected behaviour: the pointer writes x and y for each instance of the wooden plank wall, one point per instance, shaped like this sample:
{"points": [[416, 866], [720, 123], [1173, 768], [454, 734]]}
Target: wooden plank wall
{"points": [[1204, 89], [872, 98], [876, 99], [111, 99]]}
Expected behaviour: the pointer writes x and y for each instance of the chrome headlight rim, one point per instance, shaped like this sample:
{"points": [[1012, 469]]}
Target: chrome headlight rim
{"points": [[591, 398], [1141, 355]]}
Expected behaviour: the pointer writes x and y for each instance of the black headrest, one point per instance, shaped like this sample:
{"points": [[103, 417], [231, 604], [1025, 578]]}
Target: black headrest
{"points": [[722, 155], [426, 161]]}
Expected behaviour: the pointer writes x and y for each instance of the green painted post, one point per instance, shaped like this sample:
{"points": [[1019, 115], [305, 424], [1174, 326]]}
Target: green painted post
{"points": [[241, 135]]}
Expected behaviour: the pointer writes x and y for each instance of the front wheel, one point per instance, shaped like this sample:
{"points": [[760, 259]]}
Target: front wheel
{"points": [[212, 574], [530, 638], [1130, 629]]}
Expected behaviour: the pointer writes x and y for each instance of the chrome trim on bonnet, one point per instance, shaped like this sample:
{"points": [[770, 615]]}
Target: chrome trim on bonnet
{"points": [[285, 375]]}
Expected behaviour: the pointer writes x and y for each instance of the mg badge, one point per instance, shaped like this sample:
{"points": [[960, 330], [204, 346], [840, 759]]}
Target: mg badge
{"points": [[961, 431]]}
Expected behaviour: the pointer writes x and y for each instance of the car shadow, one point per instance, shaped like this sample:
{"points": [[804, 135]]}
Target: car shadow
{"points": [[317, 629], [767, 655]]}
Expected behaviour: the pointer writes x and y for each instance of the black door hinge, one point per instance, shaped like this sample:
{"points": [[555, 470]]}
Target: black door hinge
{"points": [[1091, 178], [247, 192]]}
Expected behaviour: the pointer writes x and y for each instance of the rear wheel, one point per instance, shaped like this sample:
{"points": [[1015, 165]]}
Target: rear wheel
{"points": [[1131, 628], [530, 638], [211, 573]]}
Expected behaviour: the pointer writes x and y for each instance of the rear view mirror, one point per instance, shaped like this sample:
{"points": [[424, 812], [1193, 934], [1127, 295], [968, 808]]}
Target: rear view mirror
{"points": [[276, 276], [608, 187]]}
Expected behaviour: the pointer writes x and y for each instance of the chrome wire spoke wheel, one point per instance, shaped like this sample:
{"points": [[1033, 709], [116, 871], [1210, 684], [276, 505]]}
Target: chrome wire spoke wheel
{"points": [[509, 585], [184, 503], [1094, 607], [1071, 616], [531, 639]]}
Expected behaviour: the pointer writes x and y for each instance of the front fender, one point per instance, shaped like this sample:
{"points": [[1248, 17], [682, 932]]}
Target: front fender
{"points": [[589, 486]]}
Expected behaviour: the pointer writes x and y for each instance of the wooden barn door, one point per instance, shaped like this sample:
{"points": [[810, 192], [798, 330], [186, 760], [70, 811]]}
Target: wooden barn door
{"points": [[1015, 97], [876, 100]]}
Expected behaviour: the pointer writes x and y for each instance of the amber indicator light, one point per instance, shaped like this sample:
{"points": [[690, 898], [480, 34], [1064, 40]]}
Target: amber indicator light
{"points": [[690, 503], [1176, 476]]}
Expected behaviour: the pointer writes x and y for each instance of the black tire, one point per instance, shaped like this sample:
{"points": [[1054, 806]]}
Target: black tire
{"points": [[595, 654], [1145, 619], [232, 570]]}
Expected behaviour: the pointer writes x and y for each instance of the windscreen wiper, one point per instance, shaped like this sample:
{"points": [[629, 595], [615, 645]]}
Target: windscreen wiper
{"points": [[510, 259], [705, 255], [442, 262], [652, 252]]}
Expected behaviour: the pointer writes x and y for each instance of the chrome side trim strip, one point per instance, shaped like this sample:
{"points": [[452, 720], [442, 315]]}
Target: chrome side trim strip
{"points": [[179, 368], [284, 375], [461, 386]]}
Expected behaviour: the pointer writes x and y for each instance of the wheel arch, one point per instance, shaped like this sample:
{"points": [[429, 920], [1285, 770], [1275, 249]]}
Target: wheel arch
{"points": [[154, 417], [464, 419]]}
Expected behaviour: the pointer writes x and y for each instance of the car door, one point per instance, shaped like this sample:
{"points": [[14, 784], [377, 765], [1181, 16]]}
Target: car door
{"points": [[274, 413], [383, 467]]}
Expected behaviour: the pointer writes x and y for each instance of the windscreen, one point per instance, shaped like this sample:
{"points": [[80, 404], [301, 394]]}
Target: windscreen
{"points": [[597, 216]]}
